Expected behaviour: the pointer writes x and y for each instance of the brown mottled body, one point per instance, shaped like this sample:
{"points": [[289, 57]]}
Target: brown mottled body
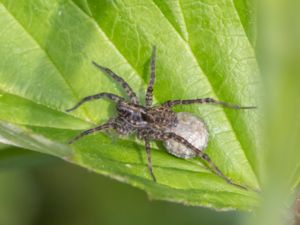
{"points": [[149, 122]]}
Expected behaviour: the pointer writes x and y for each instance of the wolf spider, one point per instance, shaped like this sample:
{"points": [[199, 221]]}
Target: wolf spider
{"points": [[149, 122]]}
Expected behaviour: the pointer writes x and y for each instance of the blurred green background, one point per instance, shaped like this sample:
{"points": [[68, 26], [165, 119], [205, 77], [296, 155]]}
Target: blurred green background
{"points": [[45, 190]]}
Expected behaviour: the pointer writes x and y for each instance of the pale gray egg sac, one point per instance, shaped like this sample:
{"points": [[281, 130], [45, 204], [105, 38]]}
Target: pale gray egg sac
{"points": [[191, 128]]}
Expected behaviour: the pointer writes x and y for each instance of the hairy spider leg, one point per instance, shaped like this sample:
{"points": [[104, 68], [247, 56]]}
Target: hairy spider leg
{"points": [[134, 99], [149, 93], [172, 103], [149, 98], [110, 96], [201, 154], [105, 126], [149, 159]]}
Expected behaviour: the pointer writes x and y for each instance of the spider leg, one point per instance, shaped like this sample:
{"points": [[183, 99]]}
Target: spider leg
{"points": [[93, 130], [149, 159], [110, 96], [172, 103], [120, 80], [149, 93], [204, 156]]}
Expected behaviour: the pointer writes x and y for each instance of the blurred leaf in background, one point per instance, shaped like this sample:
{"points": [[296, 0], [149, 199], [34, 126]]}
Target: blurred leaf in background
{"points": [[19, 195], [19, 198], [279, 51]]}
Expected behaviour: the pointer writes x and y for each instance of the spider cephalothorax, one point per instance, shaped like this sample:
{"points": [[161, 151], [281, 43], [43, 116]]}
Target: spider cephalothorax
{"points": [[149, 122]]}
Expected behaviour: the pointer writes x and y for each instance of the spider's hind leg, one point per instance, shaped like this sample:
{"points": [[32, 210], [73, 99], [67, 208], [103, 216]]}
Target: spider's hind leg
{"points": [[149, 159], [201, 154]]}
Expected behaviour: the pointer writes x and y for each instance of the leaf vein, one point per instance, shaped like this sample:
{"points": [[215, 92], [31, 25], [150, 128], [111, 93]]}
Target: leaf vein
{"points": [[52, 62]]}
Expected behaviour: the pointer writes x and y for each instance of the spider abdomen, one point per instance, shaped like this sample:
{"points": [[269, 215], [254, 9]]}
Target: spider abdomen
{"points": [[193, 130]]}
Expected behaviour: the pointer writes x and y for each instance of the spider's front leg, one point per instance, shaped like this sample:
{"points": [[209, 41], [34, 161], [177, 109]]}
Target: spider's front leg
{"points": [[120, 80], [149, 93], [110, 96]]}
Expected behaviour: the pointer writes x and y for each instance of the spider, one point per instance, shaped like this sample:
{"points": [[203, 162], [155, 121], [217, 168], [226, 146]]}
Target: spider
{"points": [[149, 122]]}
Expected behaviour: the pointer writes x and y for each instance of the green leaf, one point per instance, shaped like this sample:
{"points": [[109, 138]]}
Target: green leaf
{"points": [[203, 51], [247, 11]]}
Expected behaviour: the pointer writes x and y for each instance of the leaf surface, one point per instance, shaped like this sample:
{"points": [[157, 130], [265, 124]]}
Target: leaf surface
{"points": [[203, 51]]}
